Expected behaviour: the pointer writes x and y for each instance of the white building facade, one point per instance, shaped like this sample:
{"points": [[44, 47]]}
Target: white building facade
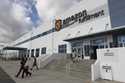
{"points": [[85, 27]]}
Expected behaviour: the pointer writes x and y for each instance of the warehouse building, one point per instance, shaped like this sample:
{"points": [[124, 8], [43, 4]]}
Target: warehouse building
{"points": [[85, 27]]}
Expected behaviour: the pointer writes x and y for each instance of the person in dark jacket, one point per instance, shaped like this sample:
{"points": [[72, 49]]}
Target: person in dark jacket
{"points": [[22, 66]]}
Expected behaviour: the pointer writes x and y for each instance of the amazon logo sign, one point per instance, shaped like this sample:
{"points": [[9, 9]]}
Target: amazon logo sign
{"points": [[79, 17]]}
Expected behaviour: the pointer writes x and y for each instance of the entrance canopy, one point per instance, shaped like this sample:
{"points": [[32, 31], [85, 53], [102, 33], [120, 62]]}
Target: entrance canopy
{"points": [[113, 31], [14, 48]]}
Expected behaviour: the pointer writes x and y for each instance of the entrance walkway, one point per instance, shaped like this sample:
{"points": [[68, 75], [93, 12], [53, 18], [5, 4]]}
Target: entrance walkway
{"points": [[43, 76]]}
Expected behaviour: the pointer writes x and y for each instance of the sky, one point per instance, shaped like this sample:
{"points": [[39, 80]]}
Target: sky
{"points": [[18, 17]]}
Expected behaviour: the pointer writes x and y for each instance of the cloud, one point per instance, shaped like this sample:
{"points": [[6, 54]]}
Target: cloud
{"points": [[13, 21], [21, 12], [47, 9]]}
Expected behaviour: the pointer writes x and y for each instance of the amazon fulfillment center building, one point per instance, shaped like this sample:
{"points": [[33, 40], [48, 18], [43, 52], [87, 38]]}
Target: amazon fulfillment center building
{"points": [[85, 27]]}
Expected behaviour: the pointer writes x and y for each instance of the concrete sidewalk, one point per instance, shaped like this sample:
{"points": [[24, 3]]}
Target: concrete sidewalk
{"points": [[40, 76], [4, 77], [43, 76]]}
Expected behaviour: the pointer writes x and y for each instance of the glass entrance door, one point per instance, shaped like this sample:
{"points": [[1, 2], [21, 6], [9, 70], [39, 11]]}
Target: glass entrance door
{"points": [[78, 52], [90, 50], [95, 44]]}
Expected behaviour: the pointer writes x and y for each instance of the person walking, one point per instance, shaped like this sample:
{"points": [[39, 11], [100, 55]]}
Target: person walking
{"points": [[22, 66], [26, 70], [72, 56], [35, 64]]}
